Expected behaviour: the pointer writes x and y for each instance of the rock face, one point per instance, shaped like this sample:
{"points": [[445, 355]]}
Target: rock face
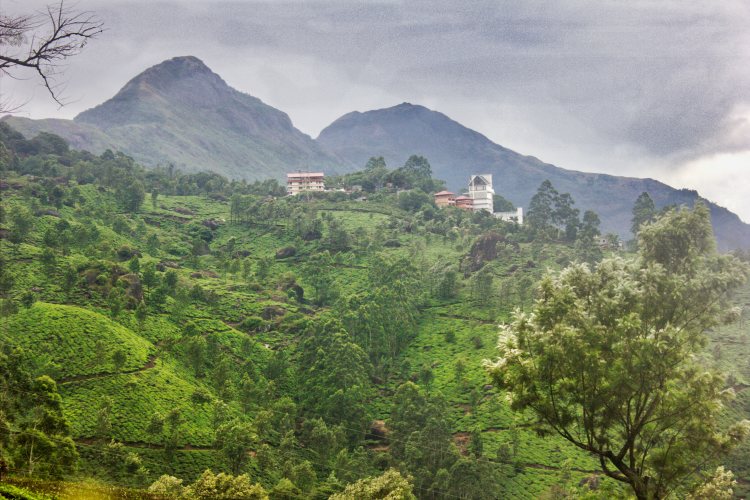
{"points": [[181, 112], [455, 152], [483, 250]]}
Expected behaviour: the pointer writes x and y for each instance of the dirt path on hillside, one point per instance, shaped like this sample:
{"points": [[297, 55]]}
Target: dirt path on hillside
{"points": [[466, 318], [142, 444], [150, 363]]}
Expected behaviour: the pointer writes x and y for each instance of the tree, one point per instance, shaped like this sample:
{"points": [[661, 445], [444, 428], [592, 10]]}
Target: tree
{"points": [[502, 204], [587, 247], [104, 419], [390, 485], [541, 209], [235, 439], [44, 443], [131, 194], [210, 486], [48, 260], [167, 486], [141, 313], [41, 42], [608, 360], [149, 278], [196, 352], [316, 273], [134, 265], [719, 487], [482, 288], [418, 166], [421, 439], [119, 357], [644, 211], [565, 216], [335, 377], [413, 200], [21, 222], [447, 287]]}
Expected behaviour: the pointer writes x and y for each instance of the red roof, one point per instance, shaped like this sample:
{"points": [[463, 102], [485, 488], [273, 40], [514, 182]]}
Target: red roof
{"points": [[443, 193], [461, 198]]}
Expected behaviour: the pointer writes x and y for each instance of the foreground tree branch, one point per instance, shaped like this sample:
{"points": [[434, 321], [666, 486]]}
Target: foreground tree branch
{"points": [[43, 41]]}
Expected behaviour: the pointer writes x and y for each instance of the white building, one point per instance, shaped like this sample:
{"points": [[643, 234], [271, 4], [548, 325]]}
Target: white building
{"points": [[516, 216], [481, 192], [304, 181]]}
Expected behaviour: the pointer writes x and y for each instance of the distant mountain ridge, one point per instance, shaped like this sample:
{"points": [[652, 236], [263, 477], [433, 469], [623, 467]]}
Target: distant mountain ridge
{"points": [[181, 112], [455, 152]]}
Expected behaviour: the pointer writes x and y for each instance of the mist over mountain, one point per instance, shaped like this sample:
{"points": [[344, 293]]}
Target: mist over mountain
{"points": [[181, 112], [455, 152]]}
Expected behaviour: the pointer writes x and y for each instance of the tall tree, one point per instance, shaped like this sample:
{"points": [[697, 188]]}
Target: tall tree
{"points": [[541, 209], [235, 439], [587, 244], [608, 360], [335, 377], [421, 439], [644, 211]]}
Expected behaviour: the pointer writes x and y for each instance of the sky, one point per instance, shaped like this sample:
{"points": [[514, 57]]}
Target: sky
{"points": [[644, 89]]}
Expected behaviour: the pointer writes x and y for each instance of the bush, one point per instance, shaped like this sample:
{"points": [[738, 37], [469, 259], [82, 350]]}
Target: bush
{"points": [[283, 253], [167, 486]]}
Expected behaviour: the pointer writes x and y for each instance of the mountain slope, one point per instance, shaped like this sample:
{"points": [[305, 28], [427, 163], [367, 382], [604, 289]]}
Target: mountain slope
{"points": [[180, 112], [455, 152]]}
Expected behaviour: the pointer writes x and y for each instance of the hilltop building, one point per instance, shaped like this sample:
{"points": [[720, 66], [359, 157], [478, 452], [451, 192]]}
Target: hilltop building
{"points": [[481, 192], [480, 197], [464, 202], [445, 199], [305, 181]]}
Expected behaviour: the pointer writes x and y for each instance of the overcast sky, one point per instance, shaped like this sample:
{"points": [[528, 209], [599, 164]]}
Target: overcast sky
{"points": [[650, 89]]}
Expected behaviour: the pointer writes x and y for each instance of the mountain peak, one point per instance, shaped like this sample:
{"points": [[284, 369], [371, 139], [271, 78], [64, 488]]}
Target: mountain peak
{"points": [[404, 107], [180, 82], [175, 69]]}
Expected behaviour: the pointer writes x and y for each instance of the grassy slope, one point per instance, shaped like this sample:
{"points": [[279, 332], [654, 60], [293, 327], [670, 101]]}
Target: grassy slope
{"points": [[77, 341]]}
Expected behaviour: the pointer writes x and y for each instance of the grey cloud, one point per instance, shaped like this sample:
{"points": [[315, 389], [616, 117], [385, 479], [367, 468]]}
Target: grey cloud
{"points": [[660, 77]]}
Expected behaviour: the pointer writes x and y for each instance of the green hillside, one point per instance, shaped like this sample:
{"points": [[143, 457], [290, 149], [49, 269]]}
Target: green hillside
{"points": [[80, 342], [194, 323], [457, 152]]}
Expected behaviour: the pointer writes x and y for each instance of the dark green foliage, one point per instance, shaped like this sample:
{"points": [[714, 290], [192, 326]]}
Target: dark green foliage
{"points": [[235, 439], [422, 440], [587, 245], [500, 204], [447, 286], [413, 200], [335, 377], [644, 211], [21, 220], [551, 214]]}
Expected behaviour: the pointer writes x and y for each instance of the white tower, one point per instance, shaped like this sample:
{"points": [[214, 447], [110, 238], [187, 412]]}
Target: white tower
{"points": [[480, 190]]}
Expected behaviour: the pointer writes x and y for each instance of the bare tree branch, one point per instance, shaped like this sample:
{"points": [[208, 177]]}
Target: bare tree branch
{"points": [[43, 41]]}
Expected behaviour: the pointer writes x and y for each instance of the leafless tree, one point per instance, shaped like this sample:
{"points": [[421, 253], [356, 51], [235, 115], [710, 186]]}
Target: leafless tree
{"points": [[42, 41]]}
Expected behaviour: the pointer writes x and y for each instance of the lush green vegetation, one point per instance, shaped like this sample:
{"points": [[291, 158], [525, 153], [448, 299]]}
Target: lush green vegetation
{"points": [[167, 324]]}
